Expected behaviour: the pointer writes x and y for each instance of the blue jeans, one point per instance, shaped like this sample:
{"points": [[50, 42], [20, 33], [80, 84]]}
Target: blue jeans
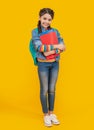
{"points": [[48, 73]]}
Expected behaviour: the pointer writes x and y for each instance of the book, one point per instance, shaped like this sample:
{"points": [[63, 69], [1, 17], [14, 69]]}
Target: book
{"points": [[49, 37]]}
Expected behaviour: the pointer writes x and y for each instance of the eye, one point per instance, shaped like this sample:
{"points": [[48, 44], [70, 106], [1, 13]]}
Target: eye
{"points": [[49, 19], [44, 18]]}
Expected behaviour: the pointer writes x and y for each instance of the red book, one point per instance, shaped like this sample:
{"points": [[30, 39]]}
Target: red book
{"points": [[49, 37]]}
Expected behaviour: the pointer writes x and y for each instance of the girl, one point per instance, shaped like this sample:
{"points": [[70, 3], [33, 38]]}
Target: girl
{"points": [[47, 68]]}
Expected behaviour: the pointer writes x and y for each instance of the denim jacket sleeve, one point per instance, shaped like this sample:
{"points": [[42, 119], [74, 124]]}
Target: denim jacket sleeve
{"points": [[60, 41], [38, 44]]}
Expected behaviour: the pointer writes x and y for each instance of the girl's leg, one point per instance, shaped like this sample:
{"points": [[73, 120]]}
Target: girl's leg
{"points": [[53, 75], [43, 72]]}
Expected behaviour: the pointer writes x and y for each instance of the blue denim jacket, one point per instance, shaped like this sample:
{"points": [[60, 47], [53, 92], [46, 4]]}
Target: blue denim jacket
{"points": [[36, 41]]}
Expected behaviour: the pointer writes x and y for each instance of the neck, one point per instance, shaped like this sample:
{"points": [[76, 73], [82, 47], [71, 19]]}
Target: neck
{"points": [[44, 27]]}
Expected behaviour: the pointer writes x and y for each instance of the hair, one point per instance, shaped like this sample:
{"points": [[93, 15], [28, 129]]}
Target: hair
{"points": [[41, 13]]}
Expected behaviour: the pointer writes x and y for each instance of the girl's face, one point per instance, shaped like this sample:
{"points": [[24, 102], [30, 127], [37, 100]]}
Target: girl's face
{"points": [[46, 20]]}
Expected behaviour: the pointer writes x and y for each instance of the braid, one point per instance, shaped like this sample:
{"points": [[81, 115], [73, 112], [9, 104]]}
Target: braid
{"points": [[39, 27]]}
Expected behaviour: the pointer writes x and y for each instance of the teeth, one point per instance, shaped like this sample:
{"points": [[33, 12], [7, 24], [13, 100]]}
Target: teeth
{"points": [[46, 24]]}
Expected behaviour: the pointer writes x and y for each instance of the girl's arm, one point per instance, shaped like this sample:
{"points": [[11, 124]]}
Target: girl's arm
{"points": [[43, 48], [38, 44], [56, 51], [61, 46]]}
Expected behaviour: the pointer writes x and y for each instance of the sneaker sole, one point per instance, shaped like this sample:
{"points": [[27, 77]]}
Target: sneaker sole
{"points": [[48, 125], [56, 123]]}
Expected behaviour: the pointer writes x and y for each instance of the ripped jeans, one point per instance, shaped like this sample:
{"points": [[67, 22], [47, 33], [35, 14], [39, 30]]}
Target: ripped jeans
{"points": [[48, 74]]}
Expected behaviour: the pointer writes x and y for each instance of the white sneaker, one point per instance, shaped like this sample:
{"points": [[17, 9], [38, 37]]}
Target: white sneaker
{"points": [[47, 121], [54, 119]]}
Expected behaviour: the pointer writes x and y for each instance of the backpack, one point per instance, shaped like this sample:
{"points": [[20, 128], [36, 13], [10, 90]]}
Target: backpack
{"points": [[33, 51]]}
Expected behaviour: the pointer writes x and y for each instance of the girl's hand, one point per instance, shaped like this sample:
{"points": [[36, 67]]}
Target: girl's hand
{"points": [[63, 47], [47, 53], [60, 46]]}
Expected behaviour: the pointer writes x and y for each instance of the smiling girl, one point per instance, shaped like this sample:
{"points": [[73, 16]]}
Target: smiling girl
{"points": [[47, 68]]}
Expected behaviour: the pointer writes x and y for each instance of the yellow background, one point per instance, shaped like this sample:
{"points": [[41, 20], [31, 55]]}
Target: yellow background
{"points": [[19, 85]]}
